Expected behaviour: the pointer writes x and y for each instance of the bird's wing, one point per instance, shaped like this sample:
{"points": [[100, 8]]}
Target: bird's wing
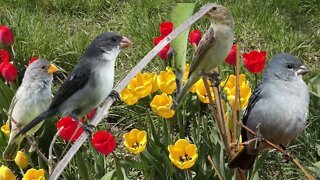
{"points": [[78, 78], [206, 42], [255, 97]]}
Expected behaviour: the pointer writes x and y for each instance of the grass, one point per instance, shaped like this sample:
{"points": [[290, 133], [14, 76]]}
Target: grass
{"points": [[60, 30]]}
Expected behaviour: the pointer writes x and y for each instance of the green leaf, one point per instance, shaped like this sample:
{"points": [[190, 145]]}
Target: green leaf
{"points": [[314, 87], [180, 14], [82, 167]]}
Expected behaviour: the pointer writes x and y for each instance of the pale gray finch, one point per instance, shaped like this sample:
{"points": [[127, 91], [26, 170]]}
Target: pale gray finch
{"points": [[277, 110], [32, 97], [213, 48], [90, 82]]}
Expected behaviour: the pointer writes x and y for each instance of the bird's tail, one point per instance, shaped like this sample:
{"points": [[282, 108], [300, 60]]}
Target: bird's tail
{"points": [[12, 148], [242, 160], [44, 115]]}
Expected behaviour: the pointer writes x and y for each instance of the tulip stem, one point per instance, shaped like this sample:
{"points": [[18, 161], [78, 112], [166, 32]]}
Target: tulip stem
{"points": [[188, 174]]}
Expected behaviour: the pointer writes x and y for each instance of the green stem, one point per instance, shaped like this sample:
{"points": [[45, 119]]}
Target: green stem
{"points": [[255, 80], [166, 132], [188, 174]]}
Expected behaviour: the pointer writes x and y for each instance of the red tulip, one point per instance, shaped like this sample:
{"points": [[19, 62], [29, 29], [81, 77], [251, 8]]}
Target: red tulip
{"points": [[91, 114], [254, 61], [195, 37], [232, 56], [69, 127], [33, 59], [6, 35], [8, 71], [103, 142], [166, 28], [163, 54], [4, 56]]}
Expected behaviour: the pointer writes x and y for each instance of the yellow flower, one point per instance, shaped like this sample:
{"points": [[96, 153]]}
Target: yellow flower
{"points": [[135, 141], [161, 104], [245, 93], [194, 87], [5, 129], [141, 85], [202, 93], [154, 82], [33, 174], [21, 160], [128, 97], [186, 73], [6, 173], [183, 154], [231, 83], [166, 81]]}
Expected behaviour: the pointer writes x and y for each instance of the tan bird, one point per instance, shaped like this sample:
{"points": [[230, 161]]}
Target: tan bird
{"points": [[213, 48]]}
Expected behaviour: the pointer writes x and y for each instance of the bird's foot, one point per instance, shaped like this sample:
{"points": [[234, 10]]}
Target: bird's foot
{"points": [[87, 127], [258, 137], [213, 77], [115, 95]]}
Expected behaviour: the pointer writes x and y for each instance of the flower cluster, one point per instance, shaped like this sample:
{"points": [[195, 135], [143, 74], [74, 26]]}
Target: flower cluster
{"points": [[165, 29], [230, 89], [31, 174]]}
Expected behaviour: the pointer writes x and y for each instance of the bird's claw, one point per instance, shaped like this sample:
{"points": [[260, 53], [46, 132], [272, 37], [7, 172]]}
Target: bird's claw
{"points": [[87, 127], [213, 77], [115, 95]]}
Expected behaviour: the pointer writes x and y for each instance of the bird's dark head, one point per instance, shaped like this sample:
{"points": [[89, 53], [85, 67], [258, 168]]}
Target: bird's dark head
{"points": [[286, 66], [108, 43]]}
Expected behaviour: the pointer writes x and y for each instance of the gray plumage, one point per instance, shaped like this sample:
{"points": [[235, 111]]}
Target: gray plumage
{"points": [[278, 107], [89, 84], [213, 48], [32, 97]]}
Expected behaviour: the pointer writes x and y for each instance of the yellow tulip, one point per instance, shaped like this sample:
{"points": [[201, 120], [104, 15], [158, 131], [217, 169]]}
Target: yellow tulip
{"points": [[183, 154], [202, 93], [245, 93], [161, 104], [135, 141], [154, 82], [166, 81], [33, 174], [194, 87], [21, 160], [128, 97], [6, 173], [5, 129], [186, 73], [231, 83], [141, 85]]}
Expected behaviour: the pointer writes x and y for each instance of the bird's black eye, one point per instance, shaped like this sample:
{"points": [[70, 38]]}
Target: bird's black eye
{"points": [[43, 67], [289, 66], [114, 39], [214, 8]]}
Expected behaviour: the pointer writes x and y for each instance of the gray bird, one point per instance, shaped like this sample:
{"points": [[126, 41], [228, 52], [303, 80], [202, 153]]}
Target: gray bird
{"points": [[90, 82], [277, 110], [32, 97], [213, 48]]}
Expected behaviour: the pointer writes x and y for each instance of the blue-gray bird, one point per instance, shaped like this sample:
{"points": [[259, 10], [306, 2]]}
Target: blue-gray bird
{"points": [[90, 82], [32, 97], [213, 48], [277, 110]]}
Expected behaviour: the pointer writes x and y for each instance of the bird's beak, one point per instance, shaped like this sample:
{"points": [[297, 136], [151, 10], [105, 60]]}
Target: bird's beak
{"points": [[303, 70], [52, 68], [125, 42]]}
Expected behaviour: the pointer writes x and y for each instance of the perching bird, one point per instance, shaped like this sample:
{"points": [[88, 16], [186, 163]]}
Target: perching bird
{"points": [[32, 97], [213, 48], [90, 82], [277, 110]]}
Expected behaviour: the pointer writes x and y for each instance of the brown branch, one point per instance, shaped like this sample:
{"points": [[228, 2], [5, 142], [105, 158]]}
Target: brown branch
{"points": [[295, 161], [103, 111], [214, 168]]}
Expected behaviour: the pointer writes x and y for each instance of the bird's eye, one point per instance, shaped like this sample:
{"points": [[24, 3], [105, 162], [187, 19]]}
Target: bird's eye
{"points": [[43, 67], [114, 39], [214, 8], [289, 66]]}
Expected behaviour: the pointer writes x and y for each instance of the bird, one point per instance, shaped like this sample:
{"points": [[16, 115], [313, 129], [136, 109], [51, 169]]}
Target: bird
{"points": [[213, 48], [89, 83], [32, 97], [277, 110]]}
